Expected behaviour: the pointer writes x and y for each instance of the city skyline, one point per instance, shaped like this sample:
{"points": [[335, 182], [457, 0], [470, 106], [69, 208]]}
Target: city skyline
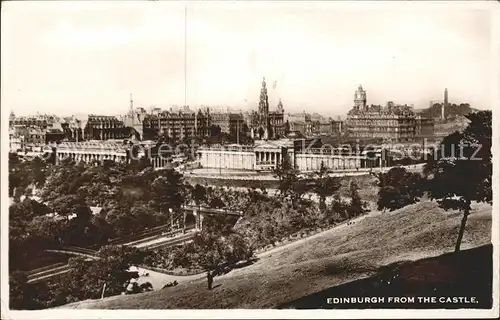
{"points": [[88, 57]]}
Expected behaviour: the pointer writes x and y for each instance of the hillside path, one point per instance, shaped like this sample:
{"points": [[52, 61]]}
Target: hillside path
{"points": [[158, 279]]}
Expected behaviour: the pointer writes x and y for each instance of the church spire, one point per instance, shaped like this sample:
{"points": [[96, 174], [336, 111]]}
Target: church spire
{"points": [[280, 107]]}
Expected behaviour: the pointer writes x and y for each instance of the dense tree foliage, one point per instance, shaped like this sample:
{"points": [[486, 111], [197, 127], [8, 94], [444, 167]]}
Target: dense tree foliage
{"points": [[87, 204], [399, 188], [85, 280], [26, 175], [357, 206], [461, 171], [324, 185], [126, 198]]}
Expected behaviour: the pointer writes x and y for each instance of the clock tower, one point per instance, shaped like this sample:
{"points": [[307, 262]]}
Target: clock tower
{"points": [[360, 99]]}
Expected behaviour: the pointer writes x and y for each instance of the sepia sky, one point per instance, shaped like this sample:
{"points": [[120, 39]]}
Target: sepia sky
{"points": [[71, 57]]}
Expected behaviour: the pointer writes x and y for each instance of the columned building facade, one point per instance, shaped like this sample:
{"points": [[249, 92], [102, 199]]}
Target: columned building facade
{"points": [[311, 161], [268, 155], [91, 151], [237, 157]]}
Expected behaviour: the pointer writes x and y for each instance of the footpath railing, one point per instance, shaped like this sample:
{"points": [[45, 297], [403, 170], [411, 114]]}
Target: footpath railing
{"points": [[87, 255], [158, 236], [45, 272], [156, 269], [171, 239], [150, 232], [170, 242], [42, 269], [155, 231], [80, 250], [48, 273]]}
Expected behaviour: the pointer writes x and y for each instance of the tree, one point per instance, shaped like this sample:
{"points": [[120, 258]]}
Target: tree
{"points": [[24, 174], [66, 205], [212, 251], [339, 209], [17, 288], [63, 180], [324, 185], [86, 278], [219, 224], [81, 231], [18, 176], [215, 130], [38, 171], [399, 188], [199, 194], [103, 230], [216, 203], [290, 183], [357, 206], [47, 229], [27, 210], [236, 249], [167, 190], [462, 170]]}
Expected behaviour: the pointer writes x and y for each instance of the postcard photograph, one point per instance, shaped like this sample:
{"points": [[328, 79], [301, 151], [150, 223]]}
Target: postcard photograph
{"points": [[240, 159]]}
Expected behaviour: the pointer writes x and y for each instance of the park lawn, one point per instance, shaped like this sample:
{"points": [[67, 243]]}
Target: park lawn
{"points": [[343, 254]]}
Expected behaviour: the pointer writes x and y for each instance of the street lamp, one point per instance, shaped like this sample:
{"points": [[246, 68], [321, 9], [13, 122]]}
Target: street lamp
{"points": [[195, 214], [171, 218]]}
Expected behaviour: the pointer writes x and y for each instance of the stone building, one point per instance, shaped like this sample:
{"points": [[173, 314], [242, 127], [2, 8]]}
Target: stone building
{"points": [[41, 121], [228, 122], [54, 135], [100, 127], [73, 127], [16, 142], [304, 155], [176, 125], [266, 124], [392, 123], [134, 121], [91, 151], [33, 136], [424, 128], [87, 151], [312, 124]]}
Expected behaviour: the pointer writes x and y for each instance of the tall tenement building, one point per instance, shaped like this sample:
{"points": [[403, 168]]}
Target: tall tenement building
{"points": [[311, 125], [176, 125], [100, 127], [393, 122], [267, 124], [228, 122]]}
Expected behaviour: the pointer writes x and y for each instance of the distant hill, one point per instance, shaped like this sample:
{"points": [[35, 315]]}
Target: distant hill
{"points": [[451, 111]]}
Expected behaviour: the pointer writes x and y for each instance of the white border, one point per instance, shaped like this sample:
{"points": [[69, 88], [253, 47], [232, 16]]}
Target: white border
{"points": [[494, 8]]}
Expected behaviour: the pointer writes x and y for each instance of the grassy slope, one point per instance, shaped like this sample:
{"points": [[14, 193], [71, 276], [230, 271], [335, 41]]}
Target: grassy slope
{"points": [[339, 256], [448, 275]]}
